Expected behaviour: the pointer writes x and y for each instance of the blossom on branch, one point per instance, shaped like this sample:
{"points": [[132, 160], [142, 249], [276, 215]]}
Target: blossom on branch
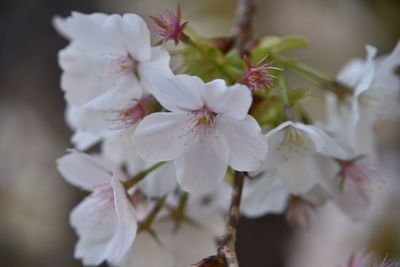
{"points": [[294, 151], [207, 129], [105, 221], [107, 69]]}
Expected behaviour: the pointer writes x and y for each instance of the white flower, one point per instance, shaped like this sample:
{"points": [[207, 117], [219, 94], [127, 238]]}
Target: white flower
{"points": [[294, 151], [105, 221], [207, 129], [107, 68], [376, 85]]}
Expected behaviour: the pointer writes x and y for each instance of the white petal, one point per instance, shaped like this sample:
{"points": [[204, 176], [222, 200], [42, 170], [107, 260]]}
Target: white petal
{"points": [[350, 74], [97, 122], [368, 73], [119, 150], [160, 182], [125, 96], [147, 252], [201, 242], [324, 144], [88, 75], [123, 207], [83, 77], [158, 137], [92, 252], [231, 101], [121, 242], [299, 174], [158, 65], [83, 170], [95, 221], [136, 36], [94, 34], [200, 169], [180, 93], [94, 217], [247, 146], [84, 140], [263, 195]]}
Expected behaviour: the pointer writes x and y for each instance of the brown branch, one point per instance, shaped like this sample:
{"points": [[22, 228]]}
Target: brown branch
{"points": [[243, 30], [227, 245], [226, 256]]}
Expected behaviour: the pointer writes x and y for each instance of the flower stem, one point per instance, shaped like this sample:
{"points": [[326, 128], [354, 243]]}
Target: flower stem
{"points": [[141, 175], [147, 223], [288, 108]]}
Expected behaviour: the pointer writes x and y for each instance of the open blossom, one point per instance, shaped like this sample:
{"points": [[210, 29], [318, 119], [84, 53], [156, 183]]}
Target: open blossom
{"points": [[294, 151], [169, 25], [207, 129], [376, 86], [107, 68], [106, 220]]}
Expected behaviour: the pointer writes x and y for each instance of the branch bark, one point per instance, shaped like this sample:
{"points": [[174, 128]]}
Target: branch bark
{"points": [[243, 30], [227, 247], [226, 256]]}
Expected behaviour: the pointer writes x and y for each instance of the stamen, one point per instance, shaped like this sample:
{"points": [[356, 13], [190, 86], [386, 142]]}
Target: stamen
{"points": [[201, 124], [128, 117], [293, 141]]}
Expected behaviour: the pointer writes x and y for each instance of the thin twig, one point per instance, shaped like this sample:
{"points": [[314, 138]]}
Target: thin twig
{"points": [[243, 30]]}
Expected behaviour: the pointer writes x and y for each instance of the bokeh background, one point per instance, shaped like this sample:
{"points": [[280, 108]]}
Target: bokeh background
{"points": [[34, 199]]}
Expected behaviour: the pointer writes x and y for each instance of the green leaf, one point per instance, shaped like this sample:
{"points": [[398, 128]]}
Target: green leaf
{"points": [[274, 44]]}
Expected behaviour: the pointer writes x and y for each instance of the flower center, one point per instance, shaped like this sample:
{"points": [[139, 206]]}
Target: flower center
{"points": [[123, 64], [128, 117], [201, 124], [293, 142]]}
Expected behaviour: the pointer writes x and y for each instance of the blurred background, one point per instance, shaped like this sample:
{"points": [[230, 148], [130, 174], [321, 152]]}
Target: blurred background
{"points": [[34, 199]]}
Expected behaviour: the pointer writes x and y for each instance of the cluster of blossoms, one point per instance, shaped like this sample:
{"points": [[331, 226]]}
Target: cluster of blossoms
{"points": [[171, 143]]}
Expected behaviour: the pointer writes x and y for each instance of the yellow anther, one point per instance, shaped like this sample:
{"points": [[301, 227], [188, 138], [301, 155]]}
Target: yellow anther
{"points": [[203, 120]]}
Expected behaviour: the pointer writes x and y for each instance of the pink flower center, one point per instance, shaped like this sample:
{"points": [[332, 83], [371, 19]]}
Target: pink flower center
{"points": [[122, 64], [201, 123], [128, 117], [127, 64]]}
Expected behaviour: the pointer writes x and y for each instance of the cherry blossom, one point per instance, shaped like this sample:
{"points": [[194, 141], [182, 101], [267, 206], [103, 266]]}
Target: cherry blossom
{"points": [[294, 152], [106, 220], [376, 90], [207, 129], [107, 69]]}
